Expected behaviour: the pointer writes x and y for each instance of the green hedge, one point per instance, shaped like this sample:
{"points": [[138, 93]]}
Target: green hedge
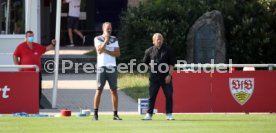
{"points": [[249, 27]]}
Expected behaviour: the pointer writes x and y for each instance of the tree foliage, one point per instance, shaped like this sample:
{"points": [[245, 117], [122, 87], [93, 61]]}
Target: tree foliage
{"points": [[249, 27]]}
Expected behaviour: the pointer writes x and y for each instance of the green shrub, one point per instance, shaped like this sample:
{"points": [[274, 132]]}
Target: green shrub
{"points": [[249, 27]]}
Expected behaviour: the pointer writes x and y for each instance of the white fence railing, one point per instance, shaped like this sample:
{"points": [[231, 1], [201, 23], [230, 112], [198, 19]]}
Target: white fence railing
{"points": [[269, 66], [20, 66]]}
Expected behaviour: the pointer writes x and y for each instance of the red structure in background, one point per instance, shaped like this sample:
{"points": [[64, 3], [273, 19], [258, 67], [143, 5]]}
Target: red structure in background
{"points": [[19, 92], [210, 92]]}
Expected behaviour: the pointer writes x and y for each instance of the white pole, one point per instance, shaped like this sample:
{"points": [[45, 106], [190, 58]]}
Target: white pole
{"points": [[26, 15], [28, 5], [54, 97], [8, 17]]}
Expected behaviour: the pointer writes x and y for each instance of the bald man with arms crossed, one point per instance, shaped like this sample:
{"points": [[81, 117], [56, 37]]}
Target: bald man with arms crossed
{"points": [[107, 51]]}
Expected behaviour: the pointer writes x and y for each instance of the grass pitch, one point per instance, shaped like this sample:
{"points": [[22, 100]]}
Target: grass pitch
{"points": [[134, 85], [184, 123]]}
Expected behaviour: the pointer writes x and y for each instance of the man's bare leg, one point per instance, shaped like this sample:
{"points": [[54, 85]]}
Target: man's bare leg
{"points": [[114, 96], [97, 100], [70, 34]]}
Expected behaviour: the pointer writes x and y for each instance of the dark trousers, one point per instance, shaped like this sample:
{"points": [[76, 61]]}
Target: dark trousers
{"points": [[153, 91]]}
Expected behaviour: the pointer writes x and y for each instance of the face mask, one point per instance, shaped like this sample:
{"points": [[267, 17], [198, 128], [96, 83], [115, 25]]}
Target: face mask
{"points": [[30, 39]]}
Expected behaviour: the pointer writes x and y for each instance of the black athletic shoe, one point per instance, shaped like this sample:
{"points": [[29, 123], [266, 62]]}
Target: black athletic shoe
{"points": [[95, 117], [116, 117]]}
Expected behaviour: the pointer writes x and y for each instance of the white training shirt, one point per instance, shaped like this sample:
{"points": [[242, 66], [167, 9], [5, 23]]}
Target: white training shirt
{"points": [[104, 59], [74, 8]]}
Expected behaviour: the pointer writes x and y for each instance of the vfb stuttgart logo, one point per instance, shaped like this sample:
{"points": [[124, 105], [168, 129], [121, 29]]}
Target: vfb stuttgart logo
{"points": [[241, 89]]}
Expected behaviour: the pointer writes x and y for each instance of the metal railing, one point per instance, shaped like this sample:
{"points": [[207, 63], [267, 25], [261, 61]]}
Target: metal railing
{"points": [[20, 66], [269, 66]]}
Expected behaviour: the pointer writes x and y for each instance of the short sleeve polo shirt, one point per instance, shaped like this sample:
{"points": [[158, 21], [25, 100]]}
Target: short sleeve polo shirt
{"points": [[29, 56], [104, 59]]}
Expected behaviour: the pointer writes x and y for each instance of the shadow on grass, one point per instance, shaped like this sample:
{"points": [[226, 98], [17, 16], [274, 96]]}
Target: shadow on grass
{"points": [[45, 103]]}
